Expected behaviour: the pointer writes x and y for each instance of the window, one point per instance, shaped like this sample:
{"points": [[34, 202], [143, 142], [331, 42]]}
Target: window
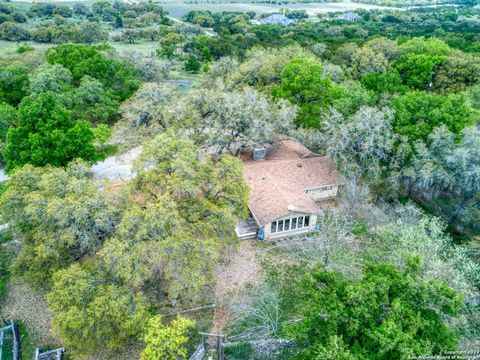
{"points": [[280, 226], [326, 188], [290, 224]]}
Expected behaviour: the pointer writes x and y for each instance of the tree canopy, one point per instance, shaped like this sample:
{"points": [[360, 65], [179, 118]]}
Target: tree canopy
{"points": [[45, 134], [417, 114], [84, 60], [92, 312], [61, 216], [304, 84], [386, 314]]}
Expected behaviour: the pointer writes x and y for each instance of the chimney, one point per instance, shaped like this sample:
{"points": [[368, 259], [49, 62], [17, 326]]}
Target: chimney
{"points": [[259, 153]]}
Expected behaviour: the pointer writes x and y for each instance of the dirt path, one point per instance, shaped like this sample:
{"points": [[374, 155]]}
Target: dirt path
{"points": [[238, 269]]}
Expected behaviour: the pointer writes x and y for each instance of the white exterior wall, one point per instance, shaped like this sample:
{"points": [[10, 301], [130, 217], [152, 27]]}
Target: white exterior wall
{"points": [[319, 194], [269, 235]]}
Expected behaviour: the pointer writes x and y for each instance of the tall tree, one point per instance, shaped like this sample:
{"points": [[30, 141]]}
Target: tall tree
{"points": [[236, 120], [386, 314], [449, 167], [14, 84], [361, 144], [417, 114], [46, 135], [54, 78], [303, 84], [420, 61], [187, 209], [84, 60], [91, 312], [166, 341], [59, 216]]}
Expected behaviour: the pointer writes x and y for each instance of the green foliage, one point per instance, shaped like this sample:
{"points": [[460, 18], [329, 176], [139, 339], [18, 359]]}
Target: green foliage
{"points": [[84, 60], [239, 352], [11, 31], [24, 49], [427, 238], [417, 114], [6, 257], [352, 97], [417, 70], [389, 82], [420, 61], [60, 216], [54, 78], [187, 218], [459, 71], [102, 134], [387, 314], [91, 312], [172, 39], [192, 64], [46, 134], [8, 118], [303, 84], [473, 95], [14, 84], [449, 168], [166, 341], [92, 101], [431, 47], [252, 119]]}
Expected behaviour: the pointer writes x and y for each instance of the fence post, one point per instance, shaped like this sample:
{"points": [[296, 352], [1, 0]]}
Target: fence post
{"points": [[219, 348], [17, 348]]}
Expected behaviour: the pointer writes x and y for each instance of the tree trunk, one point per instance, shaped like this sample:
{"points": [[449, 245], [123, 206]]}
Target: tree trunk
{"points": [[458, 211]]}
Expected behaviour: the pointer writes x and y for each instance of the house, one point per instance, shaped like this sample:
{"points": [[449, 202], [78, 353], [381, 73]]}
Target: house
{"points": [[349, 16], [287, 184], [277, 19]]}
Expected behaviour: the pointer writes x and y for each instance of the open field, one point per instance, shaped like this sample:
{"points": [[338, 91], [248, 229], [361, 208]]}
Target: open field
{"points": [[178, 8]]}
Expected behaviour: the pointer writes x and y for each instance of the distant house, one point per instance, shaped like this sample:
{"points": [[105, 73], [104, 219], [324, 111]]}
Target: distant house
{"points": [[349, 16], [285, 190], [277, 19]]}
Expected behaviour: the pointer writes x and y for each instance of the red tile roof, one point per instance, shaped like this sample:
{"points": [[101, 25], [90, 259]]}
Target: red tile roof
{"points": [[280, 181]]}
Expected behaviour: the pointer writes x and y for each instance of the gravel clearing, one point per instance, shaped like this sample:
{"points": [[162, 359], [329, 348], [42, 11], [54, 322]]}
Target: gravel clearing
{"points": [[118, 167], [237, 269], [30, 307]]}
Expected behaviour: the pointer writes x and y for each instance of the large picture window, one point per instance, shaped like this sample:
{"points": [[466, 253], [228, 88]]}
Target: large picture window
{"points": [[293, 223]]}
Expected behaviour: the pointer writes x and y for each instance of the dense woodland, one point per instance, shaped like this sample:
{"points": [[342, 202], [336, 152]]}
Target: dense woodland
{"points": [[392, 99]]}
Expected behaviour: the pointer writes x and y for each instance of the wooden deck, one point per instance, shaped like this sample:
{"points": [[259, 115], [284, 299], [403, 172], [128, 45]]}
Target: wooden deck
{"points": [[247, 229]]}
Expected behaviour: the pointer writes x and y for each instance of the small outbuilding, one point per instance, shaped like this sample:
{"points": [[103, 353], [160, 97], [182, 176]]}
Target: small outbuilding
{"points": [[277, 19], [349, 16], [287, 185]]}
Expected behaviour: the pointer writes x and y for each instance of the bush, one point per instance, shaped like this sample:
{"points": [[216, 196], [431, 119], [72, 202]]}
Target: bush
{"points": [[25, 48]]}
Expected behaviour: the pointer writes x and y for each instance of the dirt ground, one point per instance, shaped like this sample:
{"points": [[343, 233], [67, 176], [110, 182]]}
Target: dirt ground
{"points": [[29, 306], [239, 268]]}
